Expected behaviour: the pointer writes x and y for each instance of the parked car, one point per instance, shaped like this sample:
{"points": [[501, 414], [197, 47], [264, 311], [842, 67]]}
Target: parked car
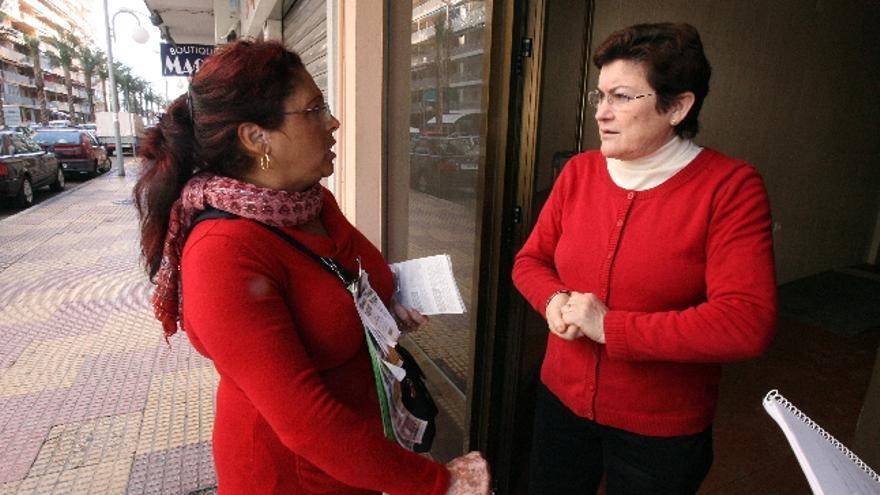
{"points": [[78, 150], [444, 165], [25, 166], [26, 130], [457, 123]]}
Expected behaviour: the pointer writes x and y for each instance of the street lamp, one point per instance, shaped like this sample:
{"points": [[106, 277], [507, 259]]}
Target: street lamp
{"points": [[139, 35]]}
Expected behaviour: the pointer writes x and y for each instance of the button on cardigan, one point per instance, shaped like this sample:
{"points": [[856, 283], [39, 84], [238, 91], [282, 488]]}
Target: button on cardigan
{"points": [[686, 269]]}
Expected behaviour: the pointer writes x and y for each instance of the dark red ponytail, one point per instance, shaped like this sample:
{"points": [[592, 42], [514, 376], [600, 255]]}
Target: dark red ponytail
{"points": [[167, 155]]}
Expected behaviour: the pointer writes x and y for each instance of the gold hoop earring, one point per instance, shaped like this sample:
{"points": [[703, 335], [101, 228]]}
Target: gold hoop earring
{"points": [[265, 162]]}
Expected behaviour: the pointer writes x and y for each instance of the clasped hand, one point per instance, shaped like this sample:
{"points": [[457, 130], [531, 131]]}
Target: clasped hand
{"points": [[575, 315]]}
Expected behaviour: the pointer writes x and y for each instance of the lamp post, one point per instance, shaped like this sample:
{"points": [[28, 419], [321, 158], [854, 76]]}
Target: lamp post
{"points": [[140, 35]]}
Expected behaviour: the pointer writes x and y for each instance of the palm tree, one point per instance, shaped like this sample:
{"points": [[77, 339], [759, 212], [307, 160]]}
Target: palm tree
{"points": [[152, 100], [123, 83], [103, 75], [91, 60], [138, 87], [67, 51], [33, 45], [132, 98]]}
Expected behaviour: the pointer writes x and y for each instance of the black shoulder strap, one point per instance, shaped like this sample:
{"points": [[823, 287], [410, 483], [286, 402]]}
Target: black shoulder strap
{"points": [[327, 262], [209, 214]]}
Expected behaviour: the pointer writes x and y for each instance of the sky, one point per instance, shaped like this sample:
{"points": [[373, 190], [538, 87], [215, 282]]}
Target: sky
{"points": [[143, 59]]}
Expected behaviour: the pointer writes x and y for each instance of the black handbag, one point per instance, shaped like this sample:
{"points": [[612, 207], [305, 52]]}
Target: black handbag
{"points": [[414, 394], [417, 399]]}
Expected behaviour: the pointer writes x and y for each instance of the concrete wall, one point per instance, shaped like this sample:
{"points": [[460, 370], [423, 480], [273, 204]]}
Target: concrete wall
{"points": [[360, 186], [794, 92]]}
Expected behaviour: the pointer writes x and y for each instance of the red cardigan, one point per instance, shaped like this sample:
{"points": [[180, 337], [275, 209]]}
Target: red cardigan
{"points": [[296, 405], [686, 269]]}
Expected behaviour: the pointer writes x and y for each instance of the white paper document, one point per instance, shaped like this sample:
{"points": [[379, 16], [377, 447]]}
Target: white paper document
{"points": [[428, 285], [829, 466], [374, 315]]}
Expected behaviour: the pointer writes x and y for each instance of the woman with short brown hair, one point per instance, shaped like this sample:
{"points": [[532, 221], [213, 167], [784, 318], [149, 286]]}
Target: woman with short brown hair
{"points": [[652, 262]]}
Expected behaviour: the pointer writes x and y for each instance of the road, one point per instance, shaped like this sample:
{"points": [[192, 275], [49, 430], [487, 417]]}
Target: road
{"points": [[40, 195]]}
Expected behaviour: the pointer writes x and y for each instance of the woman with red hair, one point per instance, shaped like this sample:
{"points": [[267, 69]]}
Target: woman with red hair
{"points": [[297, 407]]}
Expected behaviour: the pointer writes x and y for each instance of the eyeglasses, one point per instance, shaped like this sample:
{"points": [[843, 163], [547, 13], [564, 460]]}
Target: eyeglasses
{"points": [[615, 100], [323, 110]]}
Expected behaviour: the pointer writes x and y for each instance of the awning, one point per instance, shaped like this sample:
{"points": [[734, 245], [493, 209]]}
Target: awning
{"points": [[185, 21]]}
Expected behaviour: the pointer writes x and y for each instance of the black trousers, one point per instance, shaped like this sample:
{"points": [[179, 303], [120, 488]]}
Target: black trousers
{"points": [[570, 454]]}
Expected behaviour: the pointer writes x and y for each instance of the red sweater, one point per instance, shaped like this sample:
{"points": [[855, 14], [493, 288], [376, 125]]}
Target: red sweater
{"points": [[296, 405], [686, 269]]}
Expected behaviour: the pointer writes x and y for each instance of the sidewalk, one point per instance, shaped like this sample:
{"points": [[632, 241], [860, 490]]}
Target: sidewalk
{"points": [[92, 399]]}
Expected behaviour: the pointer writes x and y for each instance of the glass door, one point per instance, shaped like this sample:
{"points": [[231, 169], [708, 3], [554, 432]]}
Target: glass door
{"points": [[434, 172]]}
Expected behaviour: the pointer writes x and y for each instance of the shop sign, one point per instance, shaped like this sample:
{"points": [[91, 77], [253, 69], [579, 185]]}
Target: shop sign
{"points": [[183, 59]]}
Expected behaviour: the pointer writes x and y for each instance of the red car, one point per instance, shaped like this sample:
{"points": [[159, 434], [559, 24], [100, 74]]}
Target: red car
{"points": [[78, 151]]}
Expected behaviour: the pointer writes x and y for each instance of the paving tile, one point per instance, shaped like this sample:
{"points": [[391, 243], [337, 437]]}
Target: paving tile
{"points": [[11, 346], [85, 443], [19, 449], [179, 410], [180, 470], [105, 478], [45, 365]]}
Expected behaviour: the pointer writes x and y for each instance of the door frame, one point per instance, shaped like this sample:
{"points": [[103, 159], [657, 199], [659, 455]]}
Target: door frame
{"points": [[514, 93]]}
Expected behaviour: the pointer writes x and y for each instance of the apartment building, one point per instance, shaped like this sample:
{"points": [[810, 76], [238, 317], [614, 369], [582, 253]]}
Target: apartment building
{"points": [[23, 19]]}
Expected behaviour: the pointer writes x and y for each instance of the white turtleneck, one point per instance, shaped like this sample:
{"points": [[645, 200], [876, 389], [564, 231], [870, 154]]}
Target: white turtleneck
{"points": [[652, 170]]}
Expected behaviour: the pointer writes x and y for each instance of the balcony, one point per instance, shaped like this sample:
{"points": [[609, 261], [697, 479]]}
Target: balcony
{"points": [[464, 51], [431, 7], [59, 105], [58, 71], [424, 83], [12, 99], [12, 55], [470, 75], [423, 59], [55, 87], [423, 35], [39, 25], [427, 8], [469, 16], [44, 11], [11, 34], [465, 79], [19, 79]]}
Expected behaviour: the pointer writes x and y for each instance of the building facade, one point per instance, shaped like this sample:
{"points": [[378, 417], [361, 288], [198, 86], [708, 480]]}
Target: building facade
{"points": [[42, 19]]}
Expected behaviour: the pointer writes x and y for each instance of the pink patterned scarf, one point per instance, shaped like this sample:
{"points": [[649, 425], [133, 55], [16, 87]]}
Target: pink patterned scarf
{"points": [[269, 206]]}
